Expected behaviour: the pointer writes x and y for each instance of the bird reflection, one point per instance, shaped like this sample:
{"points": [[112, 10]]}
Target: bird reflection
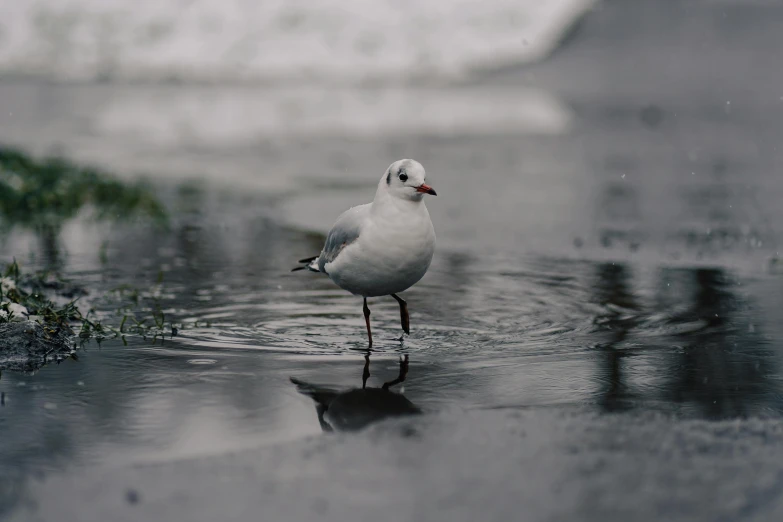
{"points": [[356, 408]]}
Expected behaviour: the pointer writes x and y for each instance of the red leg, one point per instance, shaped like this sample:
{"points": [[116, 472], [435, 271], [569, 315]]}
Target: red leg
{"points": [[404, 317], [367, 320]]}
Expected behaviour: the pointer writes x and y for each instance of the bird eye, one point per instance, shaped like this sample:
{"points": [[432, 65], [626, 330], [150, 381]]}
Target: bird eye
{"points": [[403, 177]]}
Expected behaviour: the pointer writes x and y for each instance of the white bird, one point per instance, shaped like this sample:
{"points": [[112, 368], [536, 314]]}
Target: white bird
{"points": [[384, 247]]}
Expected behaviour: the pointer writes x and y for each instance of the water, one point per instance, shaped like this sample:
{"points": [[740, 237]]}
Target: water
{"points": [[560, 341], [598, 338]]}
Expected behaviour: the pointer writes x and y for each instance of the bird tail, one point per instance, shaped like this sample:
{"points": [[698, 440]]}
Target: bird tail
{"points": [[310, 263]]}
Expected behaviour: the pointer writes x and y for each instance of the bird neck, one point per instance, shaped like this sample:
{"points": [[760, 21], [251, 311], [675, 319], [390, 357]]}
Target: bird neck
{"points": [[385, 203]]}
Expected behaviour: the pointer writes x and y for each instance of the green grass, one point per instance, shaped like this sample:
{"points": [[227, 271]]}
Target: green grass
{"points": [[42, 195], [30, 291], [45, 193]]}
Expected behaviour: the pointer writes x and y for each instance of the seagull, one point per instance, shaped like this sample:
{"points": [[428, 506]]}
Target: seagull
{"points": [[384, 247]]}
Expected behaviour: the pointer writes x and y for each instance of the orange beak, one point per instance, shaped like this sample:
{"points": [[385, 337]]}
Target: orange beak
{"points": [[426, 189]]}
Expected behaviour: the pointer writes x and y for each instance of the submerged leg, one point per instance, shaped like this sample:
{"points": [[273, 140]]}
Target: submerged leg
{"points": [[404, 317], [367, 321]]}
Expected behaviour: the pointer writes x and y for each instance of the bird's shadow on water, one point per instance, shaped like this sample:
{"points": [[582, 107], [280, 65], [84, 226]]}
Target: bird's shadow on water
{"points": [[356, 408]]}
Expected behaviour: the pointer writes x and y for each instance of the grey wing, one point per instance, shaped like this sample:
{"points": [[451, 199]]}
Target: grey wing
{"points": [[345, 231]]}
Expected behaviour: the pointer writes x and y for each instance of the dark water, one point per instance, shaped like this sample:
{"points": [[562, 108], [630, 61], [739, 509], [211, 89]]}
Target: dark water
{"points": [[600, 332]]}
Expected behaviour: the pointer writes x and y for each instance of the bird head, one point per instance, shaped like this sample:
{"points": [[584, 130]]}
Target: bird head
{"points": [[405, 179]]}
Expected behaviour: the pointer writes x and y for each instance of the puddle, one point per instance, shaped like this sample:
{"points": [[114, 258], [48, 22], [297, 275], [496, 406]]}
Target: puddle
{"points": [[604, 303]]}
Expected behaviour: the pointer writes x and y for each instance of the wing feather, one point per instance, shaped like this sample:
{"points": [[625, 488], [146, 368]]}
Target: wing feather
{"points": [[345, 231]]}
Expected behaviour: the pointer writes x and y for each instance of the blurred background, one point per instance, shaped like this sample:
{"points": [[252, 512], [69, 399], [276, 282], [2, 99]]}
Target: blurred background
{"points": [[605, 300]]}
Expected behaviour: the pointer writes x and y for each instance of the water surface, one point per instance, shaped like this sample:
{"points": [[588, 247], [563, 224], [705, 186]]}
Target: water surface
{"points": [[599, 332]]}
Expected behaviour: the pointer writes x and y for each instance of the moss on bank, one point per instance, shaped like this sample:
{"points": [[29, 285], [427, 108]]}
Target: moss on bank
{"points": [[41, 311], [41, 318]]}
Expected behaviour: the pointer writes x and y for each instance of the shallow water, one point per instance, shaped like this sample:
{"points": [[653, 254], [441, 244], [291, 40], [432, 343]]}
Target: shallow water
{"points": [[490, 331], [599, 332]]}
